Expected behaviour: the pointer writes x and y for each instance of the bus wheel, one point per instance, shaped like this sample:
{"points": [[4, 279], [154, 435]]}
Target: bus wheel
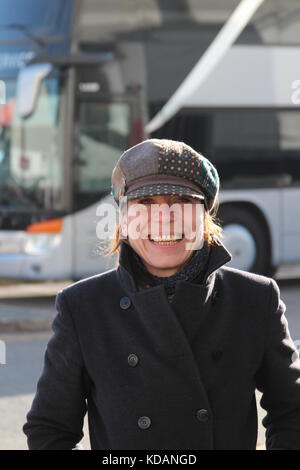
{"points": [[246, 239]]}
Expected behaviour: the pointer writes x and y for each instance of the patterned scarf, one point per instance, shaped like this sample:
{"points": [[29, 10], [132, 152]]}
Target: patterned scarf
{"points": [[194, 270]]}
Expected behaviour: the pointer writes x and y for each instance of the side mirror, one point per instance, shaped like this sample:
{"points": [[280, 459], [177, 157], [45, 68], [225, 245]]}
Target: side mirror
{"points": [[28, 87]]}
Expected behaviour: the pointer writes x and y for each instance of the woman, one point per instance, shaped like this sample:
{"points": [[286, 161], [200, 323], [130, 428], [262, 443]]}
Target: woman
{"points": [[165, 351]]}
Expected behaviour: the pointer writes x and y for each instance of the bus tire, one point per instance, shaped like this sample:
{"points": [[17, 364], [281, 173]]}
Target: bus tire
{"points": [[250, 226]]}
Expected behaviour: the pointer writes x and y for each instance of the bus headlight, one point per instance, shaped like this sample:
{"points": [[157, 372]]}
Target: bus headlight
{"points": [[38, 244]]}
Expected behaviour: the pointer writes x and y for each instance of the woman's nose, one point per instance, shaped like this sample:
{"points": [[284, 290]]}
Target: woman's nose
{"points": [[162, 214]]}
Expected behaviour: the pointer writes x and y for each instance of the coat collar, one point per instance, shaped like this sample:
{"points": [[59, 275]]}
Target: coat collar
{"points": [[219, 255], [191, 303]]}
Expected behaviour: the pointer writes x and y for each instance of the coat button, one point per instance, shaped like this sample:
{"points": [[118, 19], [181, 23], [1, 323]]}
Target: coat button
{"points": [[144, 422], [132, 360], [202, 415], [125, 302]]}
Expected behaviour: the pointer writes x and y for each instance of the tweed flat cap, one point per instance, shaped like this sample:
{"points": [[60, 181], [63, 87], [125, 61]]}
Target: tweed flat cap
{"points": [[162, 166]]}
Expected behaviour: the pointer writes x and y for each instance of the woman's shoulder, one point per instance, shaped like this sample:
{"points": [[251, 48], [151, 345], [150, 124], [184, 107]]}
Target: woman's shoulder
{"points": [[249, 291], [90, 287], [241, 278]]}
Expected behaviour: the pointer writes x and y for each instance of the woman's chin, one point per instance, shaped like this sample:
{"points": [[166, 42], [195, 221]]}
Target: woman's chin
{"points": [[164, 257]]}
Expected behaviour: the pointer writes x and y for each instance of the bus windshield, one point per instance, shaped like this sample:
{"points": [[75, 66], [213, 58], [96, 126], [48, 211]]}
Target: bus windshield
{"points": [[31, 165], [36, 23]]}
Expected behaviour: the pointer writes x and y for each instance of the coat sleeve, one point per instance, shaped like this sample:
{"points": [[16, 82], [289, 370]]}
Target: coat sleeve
{"points": [[55, 420], [278, 378]]}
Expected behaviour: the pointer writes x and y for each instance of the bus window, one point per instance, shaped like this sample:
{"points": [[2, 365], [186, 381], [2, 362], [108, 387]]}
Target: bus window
{"points": [[104, 130], [257, 146], [251, 147], [31, 168]]}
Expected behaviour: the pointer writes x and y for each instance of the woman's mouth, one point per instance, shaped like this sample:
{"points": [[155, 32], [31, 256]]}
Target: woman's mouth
{"points": [[166, 240]]}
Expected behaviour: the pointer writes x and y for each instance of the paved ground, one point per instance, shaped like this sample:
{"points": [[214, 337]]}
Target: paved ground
{"points": [[24, 360], [18, 378], [28, 306]]}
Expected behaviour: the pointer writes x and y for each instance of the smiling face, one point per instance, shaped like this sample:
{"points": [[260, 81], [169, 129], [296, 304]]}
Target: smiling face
{"points": [[165, 239]]}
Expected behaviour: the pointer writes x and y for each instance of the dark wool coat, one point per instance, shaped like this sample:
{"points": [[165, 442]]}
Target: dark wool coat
{"points": [[159, 376]]}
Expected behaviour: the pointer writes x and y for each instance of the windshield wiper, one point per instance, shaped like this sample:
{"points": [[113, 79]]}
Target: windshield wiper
{"points": [[22, 27]]}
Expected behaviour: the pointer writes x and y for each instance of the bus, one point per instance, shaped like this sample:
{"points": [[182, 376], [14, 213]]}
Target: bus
{"points": [[83, 78]]}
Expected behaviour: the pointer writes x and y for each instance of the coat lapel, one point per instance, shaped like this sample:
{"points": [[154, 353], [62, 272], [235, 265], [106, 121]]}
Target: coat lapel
{"points": [[167, 332], [172, 327], [192, 301], [191, 304]]}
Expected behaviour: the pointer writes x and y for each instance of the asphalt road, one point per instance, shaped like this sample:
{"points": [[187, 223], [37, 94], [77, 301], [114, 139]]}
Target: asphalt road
{"points": [[24, 361], [18, 379]]}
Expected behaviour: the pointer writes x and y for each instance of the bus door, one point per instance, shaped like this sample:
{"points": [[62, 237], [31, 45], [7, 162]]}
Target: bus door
{"points": [[104, 128]]}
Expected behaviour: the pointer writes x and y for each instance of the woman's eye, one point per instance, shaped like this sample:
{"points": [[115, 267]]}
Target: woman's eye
{"points": [[145, 201], [183, 200]]}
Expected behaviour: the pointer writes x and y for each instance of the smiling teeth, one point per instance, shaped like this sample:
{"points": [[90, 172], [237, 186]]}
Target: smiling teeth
{"points": [[166, 238]]}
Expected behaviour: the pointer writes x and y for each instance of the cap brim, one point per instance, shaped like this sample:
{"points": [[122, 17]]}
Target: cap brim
{"points": [[163, 189]]}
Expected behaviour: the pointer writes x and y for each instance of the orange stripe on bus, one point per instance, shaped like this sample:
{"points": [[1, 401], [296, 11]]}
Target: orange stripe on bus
{"points": [[46, 226]]}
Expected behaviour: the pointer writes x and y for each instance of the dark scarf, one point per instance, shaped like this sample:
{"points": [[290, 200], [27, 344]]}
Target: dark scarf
{"points": [[193, 271]]}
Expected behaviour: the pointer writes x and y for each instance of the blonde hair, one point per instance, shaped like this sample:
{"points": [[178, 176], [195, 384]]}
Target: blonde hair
{"points": [[212, 232]]}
